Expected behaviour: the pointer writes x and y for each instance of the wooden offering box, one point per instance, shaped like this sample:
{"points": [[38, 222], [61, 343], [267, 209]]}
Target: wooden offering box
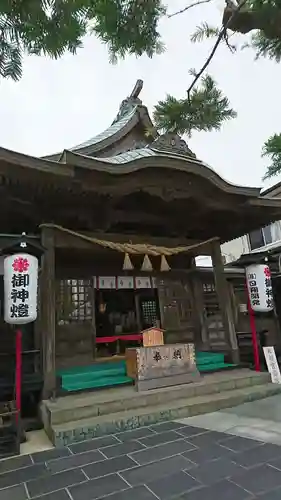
{"points": [[162, 366]]}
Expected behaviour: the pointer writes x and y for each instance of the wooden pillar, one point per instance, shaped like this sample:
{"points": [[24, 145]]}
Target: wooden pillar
{"points": [[48, 313], [198, 301], [223, 294]]}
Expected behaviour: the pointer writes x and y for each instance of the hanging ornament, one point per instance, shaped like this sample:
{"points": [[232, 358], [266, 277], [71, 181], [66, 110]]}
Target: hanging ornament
{"points": [[146, 265], [164, 266], [127, 265]]}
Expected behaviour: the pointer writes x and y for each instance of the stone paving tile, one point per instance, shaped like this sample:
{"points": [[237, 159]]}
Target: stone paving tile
{"points": [[207, 438], [122, 449], [215, 470], [14, 493], [173, 485], [259, 479], [156, 439], [146, 473], [74, 461], [93, 444], [98, 488], [44, 456], [275, 462], [162, 451], [109, 466], [223, 490], [15, 463], [188, 431], [54, 482], [254, 456], [271, 495], [136, 493], [213, 451], [22, 475], [237, 443], [55, 495], [134, 434], [166, 426]]}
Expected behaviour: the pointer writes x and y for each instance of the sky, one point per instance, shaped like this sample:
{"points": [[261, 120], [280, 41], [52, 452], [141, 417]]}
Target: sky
{"points": [[59, 104]]}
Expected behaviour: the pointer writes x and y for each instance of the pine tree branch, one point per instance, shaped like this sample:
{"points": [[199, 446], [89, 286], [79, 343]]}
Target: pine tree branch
{"points": [[181, 11], [221, 36]]}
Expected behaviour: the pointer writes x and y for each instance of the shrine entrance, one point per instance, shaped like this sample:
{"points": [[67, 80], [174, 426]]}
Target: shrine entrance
{"points": [[98, 318]]}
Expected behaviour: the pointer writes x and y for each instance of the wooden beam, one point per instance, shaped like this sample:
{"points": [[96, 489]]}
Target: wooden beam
{"points": [[223, 294], [48, 313], [197, 286]]}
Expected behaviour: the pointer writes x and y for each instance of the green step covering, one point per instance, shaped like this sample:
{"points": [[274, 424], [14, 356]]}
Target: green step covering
{"points": [[113, 373], [216, 367], [96, 383]]}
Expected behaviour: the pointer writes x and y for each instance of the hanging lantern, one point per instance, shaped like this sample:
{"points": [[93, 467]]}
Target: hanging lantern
{"points": [[259, 286], [146, 265], [164, 266], [127, 265], [20, 288]]}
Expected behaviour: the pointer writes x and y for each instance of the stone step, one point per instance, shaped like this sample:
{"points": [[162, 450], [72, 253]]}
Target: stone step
{"points": [[80, 430], [94, 404]]}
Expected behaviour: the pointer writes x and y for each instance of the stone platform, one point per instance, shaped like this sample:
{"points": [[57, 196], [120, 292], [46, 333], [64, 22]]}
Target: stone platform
{"points": [[80, 417]]}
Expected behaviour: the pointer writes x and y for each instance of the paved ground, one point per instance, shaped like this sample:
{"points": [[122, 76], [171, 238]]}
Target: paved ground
{"points": [[259, 420], [170, 460]]}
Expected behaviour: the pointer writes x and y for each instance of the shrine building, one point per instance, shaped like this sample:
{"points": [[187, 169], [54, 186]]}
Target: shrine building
{"points": [[122, 218]]}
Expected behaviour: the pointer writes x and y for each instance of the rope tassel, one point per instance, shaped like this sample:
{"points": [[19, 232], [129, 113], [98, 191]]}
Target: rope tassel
{"points": [[164, 266], [146, 265], [127, 265]]}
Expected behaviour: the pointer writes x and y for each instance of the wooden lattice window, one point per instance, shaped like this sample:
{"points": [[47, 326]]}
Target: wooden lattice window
{"points": [[210, 300], [74, 301]]}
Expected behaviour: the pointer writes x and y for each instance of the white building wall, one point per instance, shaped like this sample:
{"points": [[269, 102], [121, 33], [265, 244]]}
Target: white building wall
{"points": [[233, 249]]}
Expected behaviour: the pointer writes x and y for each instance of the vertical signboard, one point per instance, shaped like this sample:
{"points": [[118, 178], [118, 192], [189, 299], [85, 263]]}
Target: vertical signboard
{"points": [[272, 364]]}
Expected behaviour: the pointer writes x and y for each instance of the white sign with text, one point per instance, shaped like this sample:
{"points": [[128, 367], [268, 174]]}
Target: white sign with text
{"points": [[272, 364]]}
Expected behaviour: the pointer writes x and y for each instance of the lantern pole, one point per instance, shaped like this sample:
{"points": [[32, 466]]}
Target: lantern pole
{"points": [[18, 371], [251, 313], [34, 251]]}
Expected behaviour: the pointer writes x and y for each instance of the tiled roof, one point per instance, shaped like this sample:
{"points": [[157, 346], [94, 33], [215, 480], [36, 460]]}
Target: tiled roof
{"points": [[109, 132], [129, 156]]}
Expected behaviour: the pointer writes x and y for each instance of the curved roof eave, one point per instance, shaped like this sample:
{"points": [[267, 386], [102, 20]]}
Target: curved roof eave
{"points": [[37, 164], [132, 161]]}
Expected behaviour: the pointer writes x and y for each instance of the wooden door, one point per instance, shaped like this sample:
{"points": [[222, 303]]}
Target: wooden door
{"points": [[176, 310], [75, 333], [213, 317]]}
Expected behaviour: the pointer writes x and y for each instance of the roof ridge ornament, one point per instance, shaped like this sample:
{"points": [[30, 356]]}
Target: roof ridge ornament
{"points": [[171, 142], [128, 104]]}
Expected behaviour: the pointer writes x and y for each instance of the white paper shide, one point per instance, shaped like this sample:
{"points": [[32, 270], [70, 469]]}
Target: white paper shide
{"points": [[260, 287], [20, 288]]}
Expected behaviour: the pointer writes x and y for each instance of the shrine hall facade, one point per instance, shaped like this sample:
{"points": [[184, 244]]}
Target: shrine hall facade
{"points": [[122, 218]]}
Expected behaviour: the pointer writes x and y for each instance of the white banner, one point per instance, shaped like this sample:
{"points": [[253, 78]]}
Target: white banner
{"points": [[20, 288], [125, 282], [259, 285], [106, 282], [143, 282]]}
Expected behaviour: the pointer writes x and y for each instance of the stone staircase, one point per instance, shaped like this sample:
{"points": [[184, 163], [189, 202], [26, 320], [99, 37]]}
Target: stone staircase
{"points": [[79, 417]]}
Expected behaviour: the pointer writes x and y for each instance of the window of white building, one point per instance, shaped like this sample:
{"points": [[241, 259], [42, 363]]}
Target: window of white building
{"points": [[264, 236]]}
